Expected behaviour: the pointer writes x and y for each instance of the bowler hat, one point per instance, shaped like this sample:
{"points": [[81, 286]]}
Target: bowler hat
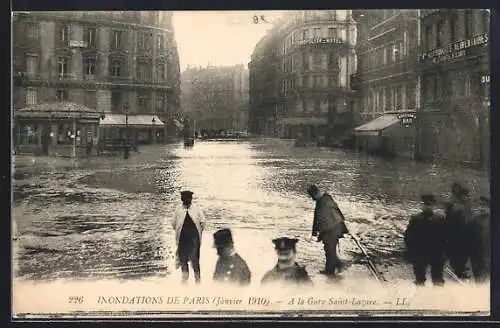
{"points": [[312, 190], [285, 243], [223, 237], [187, 193], [428, 199]]}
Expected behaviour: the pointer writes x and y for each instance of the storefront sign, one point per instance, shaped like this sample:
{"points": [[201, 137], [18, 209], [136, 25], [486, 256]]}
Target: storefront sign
{"points": [[319, 41], [485, 79], [406, 118], [454, 50], [77, 44]]}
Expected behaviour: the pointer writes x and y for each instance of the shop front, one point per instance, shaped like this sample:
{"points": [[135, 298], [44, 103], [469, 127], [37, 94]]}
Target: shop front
{"points": [[391, 134], [138, 129], [308, 128], [56, 129]]}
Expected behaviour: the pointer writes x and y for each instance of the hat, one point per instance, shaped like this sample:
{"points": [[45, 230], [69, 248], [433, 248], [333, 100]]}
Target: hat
{"points": [[223, 237], [428, 199], [312, 189], [186, 193], [285, 243]]}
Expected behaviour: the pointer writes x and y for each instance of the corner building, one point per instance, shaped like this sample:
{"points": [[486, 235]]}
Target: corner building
{"points": [[114, 62], [305, 63], [455, 73]]}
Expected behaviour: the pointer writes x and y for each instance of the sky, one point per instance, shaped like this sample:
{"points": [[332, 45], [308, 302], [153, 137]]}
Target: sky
{"points": [[218, 37]]}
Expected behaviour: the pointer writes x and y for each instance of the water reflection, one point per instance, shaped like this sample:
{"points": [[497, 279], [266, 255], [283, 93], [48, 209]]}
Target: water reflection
{"points": [[106, 217]]}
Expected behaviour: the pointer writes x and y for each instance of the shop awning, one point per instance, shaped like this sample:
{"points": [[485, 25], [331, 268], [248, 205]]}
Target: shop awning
{"points": [[58, 110], [372, 128], [302, 120], [119, 120]]}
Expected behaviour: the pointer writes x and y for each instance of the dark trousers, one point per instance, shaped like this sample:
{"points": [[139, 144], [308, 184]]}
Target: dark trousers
{"points": [[458, 261], [330, 241], [190, 252], [420, 267], [480, 267]]}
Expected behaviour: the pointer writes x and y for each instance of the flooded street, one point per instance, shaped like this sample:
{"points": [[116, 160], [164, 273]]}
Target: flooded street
{"points": [[107, 217]]}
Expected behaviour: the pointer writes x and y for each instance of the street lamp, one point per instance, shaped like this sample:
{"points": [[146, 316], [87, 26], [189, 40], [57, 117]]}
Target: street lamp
{"points": [[126, 148], [154, 130]]}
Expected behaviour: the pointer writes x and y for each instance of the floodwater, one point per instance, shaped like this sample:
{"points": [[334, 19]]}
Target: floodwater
{"points": [[109, 218]]}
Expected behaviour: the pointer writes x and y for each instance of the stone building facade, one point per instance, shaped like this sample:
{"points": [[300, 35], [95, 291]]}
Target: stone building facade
{"points": [[305, 63], [109, 61], [216, 97], [455, 72]]}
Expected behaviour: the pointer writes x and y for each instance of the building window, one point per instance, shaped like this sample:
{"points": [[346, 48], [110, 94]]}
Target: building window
{"points": [[90, 37], [32, 30], [142, 41], [143, 102], [161, 71], [332, 32], [304, 105], [90, 99], [66, 134], [117, 39], [160, 42], [406, 43], [325, 81], [31, 96], [305, 34], [318, 60], [428, 37], [29, 134], [89, 65], [317, 81], [62, 95], [31, 65], [311, 81], [440, 37], [469, 23], [384, 56], [116, 67], [395, 53], [160, 104], [116, 100], [317, 32], [63, 66], [64, 34], [305, 61]]}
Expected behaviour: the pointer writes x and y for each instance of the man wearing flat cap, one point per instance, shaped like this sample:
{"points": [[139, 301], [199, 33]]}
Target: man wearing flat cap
{"points": [[230, 267], [287, 270], [188, 224], [425, 241], [329, 226], [480, 241], [458, 215]]}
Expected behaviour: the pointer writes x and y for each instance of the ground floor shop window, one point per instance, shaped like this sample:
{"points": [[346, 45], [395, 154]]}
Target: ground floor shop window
{"points": [[29, 134], [66, 134]]}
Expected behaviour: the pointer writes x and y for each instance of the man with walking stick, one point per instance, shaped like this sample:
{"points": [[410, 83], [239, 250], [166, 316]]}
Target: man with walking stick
{"points": [[329, 226]]}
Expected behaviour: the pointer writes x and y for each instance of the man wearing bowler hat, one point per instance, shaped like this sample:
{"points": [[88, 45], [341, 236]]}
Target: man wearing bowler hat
{"points": [[188, 224], [425, 240], [287, 270], [230, 267]]}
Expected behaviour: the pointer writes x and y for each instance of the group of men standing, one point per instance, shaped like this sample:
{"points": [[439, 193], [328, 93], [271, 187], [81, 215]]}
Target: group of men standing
{"points": [[430, 237], [460, 235]]}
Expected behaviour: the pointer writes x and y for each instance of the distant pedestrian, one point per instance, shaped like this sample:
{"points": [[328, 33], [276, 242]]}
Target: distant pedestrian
{"points": [[458, 216], [188, 223], [480, 241], [329, 226], [287, 270], [230, 267], [425, 241]]}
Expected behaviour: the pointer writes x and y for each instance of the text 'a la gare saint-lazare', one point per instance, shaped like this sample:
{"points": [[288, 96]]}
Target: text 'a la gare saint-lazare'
{"points": [[329, 150]]}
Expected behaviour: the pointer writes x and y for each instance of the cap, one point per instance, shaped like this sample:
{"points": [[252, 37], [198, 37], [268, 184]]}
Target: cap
{"points": [[428, 199], [223, 237], [285, 243], [186, 193], [312, 189]]}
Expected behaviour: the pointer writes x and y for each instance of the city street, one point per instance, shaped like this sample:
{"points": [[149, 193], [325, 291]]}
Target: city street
{"points": [[106, 217]]}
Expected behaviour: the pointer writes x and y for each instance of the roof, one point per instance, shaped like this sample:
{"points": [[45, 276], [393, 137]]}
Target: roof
{"points": [[143, 120], [378, 124], [58, 109]]}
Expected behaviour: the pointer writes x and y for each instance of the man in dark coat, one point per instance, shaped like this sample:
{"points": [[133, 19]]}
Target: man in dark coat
{"points": [[458, 216], [230, 267], [480, 241], [329, 226], [287, 270], [425, 241]]}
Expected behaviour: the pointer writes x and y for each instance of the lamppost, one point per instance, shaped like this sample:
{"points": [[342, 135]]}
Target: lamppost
{"points": [[126, 148]]}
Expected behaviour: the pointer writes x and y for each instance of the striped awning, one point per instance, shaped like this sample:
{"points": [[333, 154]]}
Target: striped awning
{"points": [[118, 120]]}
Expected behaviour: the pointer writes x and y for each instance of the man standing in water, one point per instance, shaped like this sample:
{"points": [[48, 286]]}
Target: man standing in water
{"points": [[329, 226], [287, 270], [480, 241], [425, 239], [458, 216], [188, 223], [230, 267]]}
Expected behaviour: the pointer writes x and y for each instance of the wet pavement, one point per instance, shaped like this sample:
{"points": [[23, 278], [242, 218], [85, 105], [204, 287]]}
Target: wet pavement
{"points": [[109, 218]]}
